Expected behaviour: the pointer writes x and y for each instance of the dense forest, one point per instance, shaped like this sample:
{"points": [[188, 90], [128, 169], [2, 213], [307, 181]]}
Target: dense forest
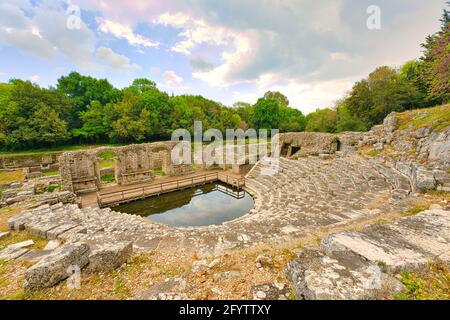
{"points": [[82, 109]]}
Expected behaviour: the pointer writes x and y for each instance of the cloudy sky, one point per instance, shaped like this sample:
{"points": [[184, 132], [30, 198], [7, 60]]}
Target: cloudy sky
{"points": [[233, 50]]}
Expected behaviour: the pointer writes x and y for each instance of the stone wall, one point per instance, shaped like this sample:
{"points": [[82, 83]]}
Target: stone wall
{"points": [[80, 170], [47, 161], [300, 144]]}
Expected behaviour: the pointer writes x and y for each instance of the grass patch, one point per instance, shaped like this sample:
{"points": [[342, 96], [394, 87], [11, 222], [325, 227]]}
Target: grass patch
{"points": [[51, 188], [430, 284], [372, 153], [438, 194], [437, 118], [108, 178], [57, 149], [19, 236], [415, 210], [11, 176], [106, 164], [159, 172], [51, 173], [107, 155], [5, 214]]}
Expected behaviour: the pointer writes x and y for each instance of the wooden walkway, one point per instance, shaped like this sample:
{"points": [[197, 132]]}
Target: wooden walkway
{"points": [[117, 195]]}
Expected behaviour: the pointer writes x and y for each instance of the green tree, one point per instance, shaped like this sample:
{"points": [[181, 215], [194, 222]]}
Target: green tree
{"points": [[130, 121], [83, 90], [32, 117], [278, 96], [96, 124], [291, 120], [245, 111], [322, 120], [436, 63], [266, 114], [346, 121]]}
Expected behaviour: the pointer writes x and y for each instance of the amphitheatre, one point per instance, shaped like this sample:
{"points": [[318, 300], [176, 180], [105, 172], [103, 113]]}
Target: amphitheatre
{"points": [[341, 218]]}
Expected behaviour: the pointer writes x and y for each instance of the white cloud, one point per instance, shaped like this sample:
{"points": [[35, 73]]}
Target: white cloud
{"points": [[115, 60], [306, 96], [122, 31], [197, 32], [155, 70], [172, 79], [27, 42], [43, 32], [35, 78]]}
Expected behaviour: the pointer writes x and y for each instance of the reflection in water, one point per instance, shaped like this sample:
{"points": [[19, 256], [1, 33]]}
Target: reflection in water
{"points": [[211, 204]]}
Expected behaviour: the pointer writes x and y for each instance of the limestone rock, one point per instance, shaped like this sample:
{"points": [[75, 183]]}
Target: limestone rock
{"points": [[275, 291], [11, 253], [54, 268], [169, 289], [199, 266], [405, 245], [107, 257], [390, 123], [425, 180], [227, 275], [52, 245], [4, 234], [22, 244], [344, 276], [35, 255], [263, 260]]}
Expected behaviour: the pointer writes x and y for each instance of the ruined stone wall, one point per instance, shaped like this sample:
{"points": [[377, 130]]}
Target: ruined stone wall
{"points": [[301, 144], [47, 161], [80, 170]]}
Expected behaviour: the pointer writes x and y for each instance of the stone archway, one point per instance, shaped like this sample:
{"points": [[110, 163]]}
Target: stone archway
{"points": [[160, 160], [106, 167]]}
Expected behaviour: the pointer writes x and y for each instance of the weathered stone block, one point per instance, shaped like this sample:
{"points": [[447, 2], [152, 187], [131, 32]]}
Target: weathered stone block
{"points": [[53, 268], [345, 276], [109, 256]]}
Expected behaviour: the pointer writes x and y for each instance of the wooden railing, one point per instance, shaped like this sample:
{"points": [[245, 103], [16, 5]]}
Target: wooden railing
{"points": [[127, 195]]}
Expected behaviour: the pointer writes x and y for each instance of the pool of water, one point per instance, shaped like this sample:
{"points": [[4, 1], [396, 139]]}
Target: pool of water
{"points": [[211, 204]]}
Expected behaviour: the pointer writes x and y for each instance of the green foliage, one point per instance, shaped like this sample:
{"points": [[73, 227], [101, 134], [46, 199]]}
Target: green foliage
{"points": [[415, 210], [323, 120], [435, 66], [347, 121], [266, 114], [437, 118], [95, 124], [159, 172], [291, 120], [430, 284], [51, 173], [278, 96], [107, 155], [107, 178], [84, 90], [51, 188], [32, 117]]}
